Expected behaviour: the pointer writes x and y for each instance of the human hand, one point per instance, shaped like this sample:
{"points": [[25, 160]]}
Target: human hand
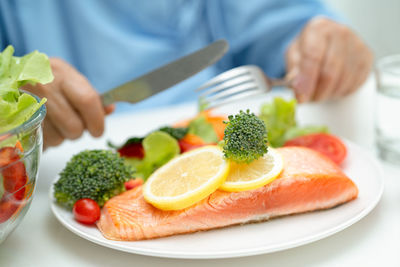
{"points": [[327, 61], [73, 105]]}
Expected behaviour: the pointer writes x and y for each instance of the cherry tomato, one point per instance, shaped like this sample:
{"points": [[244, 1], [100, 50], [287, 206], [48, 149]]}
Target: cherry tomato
{"points": [[14, 181], [134, 150], [327, 144], [133, 183], [86, 211]]}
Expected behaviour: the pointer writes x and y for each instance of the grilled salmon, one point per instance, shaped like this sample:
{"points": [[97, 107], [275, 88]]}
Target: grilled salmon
{"points": [[309, 181]]}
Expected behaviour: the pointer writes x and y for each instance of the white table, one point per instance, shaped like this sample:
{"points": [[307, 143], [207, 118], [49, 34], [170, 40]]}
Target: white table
{"points": [[40, 240]]}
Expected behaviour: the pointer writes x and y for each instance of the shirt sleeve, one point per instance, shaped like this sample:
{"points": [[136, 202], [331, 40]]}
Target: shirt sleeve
{"points": [[259, 31]]}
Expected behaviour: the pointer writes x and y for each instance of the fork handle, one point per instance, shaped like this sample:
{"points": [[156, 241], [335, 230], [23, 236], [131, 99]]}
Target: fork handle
{"points": [[281, 82]]}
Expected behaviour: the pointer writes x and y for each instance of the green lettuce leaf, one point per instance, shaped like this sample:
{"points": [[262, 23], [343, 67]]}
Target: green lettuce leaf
{"points": [[305, 130], [203, 129], [17, 107], [159, 148], [280, 118]]}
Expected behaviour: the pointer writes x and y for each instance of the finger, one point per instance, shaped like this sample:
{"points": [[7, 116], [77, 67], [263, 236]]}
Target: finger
{"points": [[292, 61], [293, 57], [63, 116], [364, 67], [331, 70], [109, 109], [51, 136], [356, 70], [87, 103], [313, 46]]}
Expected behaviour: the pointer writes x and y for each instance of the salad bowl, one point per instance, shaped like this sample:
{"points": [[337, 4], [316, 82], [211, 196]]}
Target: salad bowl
{"points": [[20, 152]]}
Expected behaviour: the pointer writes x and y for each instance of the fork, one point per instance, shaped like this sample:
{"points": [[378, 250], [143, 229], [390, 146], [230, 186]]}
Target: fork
{"points": [[236, 84]]}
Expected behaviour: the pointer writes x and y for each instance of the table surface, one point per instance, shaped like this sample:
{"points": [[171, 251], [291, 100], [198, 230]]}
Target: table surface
{"points": [[40, 240]]}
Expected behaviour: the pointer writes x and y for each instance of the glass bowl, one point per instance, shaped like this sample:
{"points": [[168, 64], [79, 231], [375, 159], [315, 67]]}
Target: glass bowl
{"points": [[20, 151]]}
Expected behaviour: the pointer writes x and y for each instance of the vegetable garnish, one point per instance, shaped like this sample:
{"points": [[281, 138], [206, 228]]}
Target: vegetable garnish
{"points": [[86, 211], [203, 129], [133, 183], [159, 147], [150, 152], [280, 118], [327, 144], [245, 138], [94, 174], [17, 107], [190, 142]]}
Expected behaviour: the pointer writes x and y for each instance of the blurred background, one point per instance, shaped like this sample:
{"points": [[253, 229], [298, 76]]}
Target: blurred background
{"points": [[378, 22]]}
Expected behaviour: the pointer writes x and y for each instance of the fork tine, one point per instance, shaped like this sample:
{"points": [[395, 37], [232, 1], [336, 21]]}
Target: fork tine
{"points": [[224, 77], [236, 81], [231, 91], [234, 98], [233, 85]]}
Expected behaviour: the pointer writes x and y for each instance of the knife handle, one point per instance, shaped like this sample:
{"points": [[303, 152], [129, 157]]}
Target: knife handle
{"points": [[107, 99]]}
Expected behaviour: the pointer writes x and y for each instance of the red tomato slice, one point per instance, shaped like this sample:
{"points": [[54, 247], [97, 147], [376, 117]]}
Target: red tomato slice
{"points": [[14, 181], [86, 211], [327, 144]]}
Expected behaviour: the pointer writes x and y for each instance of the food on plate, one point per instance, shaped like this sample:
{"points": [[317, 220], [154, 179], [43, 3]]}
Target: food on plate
{"points": [[148, 153], [308, 182], [190, 142], [17, 107], [86, 211], [327, 144], [13, 179], [245, 138], [280, 118], [132, 183], [186, 179], [95, 174], [158, 148], [253, 175], [198, 179]]}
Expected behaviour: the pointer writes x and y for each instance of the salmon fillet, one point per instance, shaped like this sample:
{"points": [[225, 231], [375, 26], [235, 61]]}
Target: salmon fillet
{"points": [[309, 181]]}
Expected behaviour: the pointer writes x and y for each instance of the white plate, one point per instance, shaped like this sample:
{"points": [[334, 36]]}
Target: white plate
{"points": [[259, 238]]}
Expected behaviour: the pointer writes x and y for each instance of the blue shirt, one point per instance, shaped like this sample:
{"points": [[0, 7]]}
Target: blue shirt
{"points": [[113, 41]]}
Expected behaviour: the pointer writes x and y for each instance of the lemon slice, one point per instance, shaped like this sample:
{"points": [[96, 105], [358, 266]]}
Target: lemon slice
{"points": [[258, 173], [187, 179]]}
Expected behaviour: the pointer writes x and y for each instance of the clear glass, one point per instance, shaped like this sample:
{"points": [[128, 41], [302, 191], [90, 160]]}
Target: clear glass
{"points": [[387, 115], [20, 151]]}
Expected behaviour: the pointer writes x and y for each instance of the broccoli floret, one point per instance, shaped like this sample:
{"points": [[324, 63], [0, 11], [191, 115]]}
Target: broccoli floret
{"points": [[245, 138], [94, 174]]}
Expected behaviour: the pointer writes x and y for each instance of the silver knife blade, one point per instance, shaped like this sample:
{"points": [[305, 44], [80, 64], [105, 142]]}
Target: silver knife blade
{"points": [[166, 76]]}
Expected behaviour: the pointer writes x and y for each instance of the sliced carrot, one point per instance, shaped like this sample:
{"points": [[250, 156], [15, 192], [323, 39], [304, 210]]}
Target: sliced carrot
{"points": [[217, 122], [193, 139], [19, 146]]}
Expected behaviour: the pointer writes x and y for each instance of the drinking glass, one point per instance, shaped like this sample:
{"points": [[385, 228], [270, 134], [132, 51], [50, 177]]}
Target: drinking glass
{"points": [[387, 115]]}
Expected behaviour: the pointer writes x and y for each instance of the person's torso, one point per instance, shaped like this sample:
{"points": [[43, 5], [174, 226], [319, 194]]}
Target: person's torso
{"points": [[111, 42]]}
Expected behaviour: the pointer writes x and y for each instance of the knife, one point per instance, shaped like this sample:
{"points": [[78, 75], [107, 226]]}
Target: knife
{"points": [[166, 76]]}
